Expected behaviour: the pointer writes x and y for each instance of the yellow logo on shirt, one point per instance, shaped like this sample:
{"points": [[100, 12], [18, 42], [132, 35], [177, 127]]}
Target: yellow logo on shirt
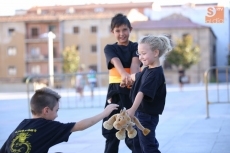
{"points": [[20, 144]]}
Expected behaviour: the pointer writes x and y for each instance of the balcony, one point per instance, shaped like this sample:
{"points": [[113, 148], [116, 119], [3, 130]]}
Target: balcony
{"points": [[41, 58], [43, 38]]}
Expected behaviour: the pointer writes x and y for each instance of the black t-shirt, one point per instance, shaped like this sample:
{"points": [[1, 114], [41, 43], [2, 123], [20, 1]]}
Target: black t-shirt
{"points": [[118, 95], [151, 82], [124, 53], [36, 136]]}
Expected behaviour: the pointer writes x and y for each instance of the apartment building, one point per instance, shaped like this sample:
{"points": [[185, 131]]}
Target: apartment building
{"points": [[37, 46], [12, 51], [88, 28], [197, 13], [24, 42]]}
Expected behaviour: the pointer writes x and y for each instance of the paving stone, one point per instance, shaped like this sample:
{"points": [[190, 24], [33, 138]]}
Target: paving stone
{"points": [[183, 126]]}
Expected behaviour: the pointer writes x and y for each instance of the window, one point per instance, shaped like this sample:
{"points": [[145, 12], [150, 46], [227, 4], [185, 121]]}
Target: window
{"points": [[93, 48], [75, 29], [213, 58], [52, 28], [35, 52], [10, 31], [185, 34], [35, 69], [77, 48], [70, 10], [55, 69], [94, 67], [34, 32], [12, 51], [12, 70], [39, 11], [55, 55], [93, 29], [99, 9]]}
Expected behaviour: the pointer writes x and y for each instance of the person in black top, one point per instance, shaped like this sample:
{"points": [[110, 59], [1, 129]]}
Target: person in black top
{"points": [[121, 60], [182, 78], [38, 134], [149, 90]]}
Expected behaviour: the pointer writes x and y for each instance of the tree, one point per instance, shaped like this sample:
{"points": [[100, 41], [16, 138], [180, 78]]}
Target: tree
{"points": [[70, 59], [184, 54]]}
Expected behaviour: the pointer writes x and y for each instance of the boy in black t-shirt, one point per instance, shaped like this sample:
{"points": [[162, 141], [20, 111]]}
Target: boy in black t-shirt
{"points": [[121, 60], [149, 90], [38, 134]]}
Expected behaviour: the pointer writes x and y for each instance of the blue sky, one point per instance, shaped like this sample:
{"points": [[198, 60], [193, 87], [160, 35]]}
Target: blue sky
{"points": [[8, 7]]}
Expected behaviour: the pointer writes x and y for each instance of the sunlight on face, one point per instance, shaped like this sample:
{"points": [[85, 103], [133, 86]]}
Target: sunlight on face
{"points": [[146, 55], [121, 34]]}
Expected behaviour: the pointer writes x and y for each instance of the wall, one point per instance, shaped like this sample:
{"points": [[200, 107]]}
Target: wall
{"points": [[17, 40], [197, 14], [201, 36]]}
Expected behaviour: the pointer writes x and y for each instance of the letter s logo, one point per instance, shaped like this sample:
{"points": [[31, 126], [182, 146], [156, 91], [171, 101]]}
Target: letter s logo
{"points": [[211, 11]]}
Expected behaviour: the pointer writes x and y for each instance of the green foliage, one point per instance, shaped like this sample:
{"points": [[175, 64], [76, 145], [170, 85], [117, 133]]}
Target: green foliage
{"points": [[70, 59], [184, 54]]}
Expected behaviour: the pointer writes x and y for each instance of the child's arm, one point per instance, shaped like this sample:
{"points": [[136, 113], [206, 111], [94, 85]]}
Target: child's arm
{"points": [[134, 68], [135, 65], [136, 104], [86, 123]]}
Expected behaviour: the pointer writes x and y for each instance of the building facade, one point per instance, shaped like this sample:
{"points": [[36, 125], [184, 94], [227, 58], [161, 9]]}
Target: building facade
{"points": [[175, 26], [197, 13], [37, 47], [24, 42], [12, 51], [87, 27]]}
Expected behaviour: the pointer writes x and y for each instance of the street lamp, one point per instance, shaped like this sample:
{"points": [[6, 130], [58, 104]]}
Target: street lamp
{"points": [[99, 53], [51, 36]]}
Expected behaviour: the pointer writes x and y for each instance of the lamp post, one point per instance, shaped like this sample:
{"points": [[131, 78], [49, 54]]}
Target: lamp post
{"points": [[99, 54], [51, 36]]}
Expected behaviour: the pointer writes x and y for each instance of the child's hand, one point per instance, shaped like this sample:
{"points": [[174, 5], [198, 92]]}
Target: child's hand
{"points": [[133, 77], [130, 112], [125, 79], [109, 108], [122, 84]]}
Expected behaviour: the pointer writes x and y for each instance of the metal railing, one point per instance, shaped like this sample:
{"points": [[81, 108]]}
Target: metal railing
{"points": [[65, 86], [212, 75]]}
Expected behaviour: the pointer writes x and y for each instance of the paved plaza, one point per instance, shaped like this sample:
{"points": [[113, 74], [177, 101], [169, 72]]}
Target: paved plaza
{"points": [[183, 126]]}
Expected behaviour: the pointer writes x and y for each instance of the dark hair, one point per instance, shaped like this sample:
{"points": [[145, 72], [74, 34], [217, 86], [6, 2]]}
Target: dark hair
{"points": [[118, 20], [44, 97]]}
